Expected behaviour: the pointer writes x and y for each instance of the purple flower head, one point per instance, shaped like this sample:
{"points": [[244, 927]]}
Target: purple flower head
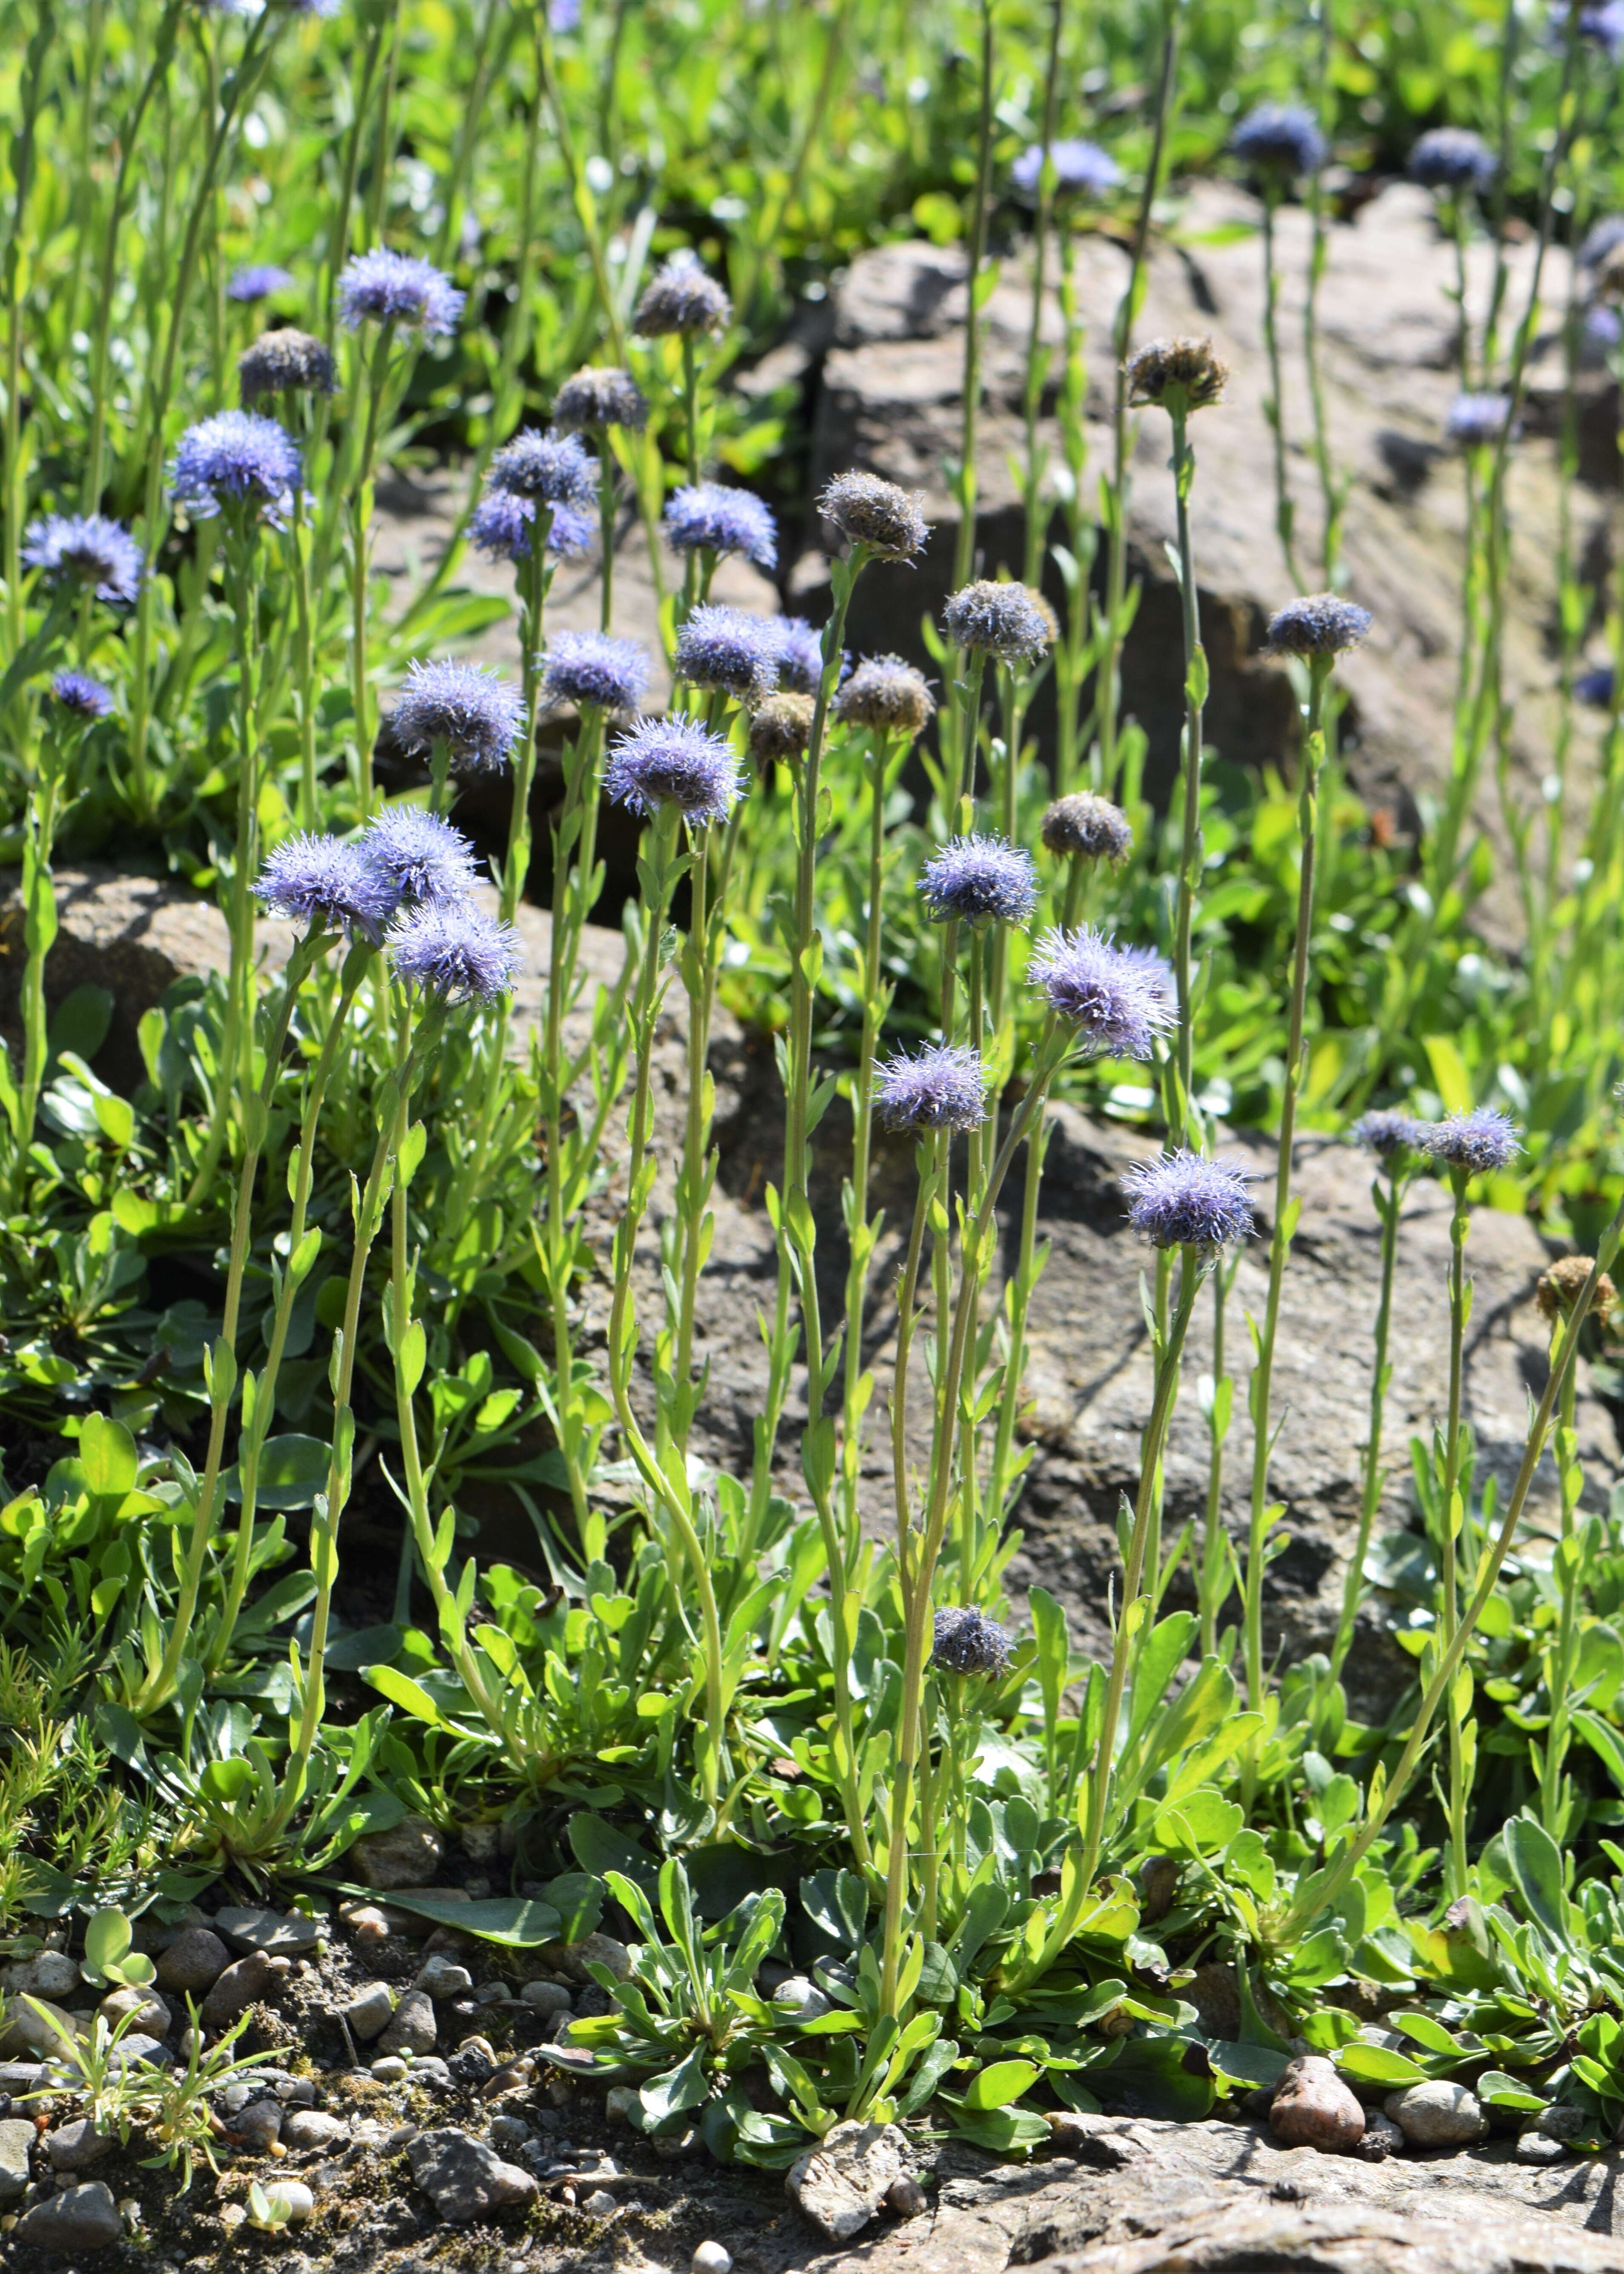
{"points": [[965, 1641], [419, 855], [285, 361], [1595, 687], [1081, 169], [731, 649], [1319, 624], [677, 762], [1606, 237], [1280, 138], [563, 16], [327, 883], [1478, 1143], [980, 880], [800, 654], [1387, 1132], [469, 708], [238, 460], [1006, 620], [1185, 1201], [88, 548], [712, 518], [942, 1087], [1117, 998], [456, 953], [1477, 421], [79, 695], [593, 668], [1453, 159], [264, 282], [866, 510], [549, 468], [1601, 22], [1601, 329], [681, 297], [501, 523], [600, 396], [382, 287]]}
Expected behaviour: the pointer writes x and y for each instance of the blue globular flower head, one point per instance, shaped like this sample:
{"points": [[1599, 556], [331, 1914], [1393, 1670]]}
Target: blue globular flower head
{"points": [[1186, 372], [1477, 421], [593, 668], [88, 549], [980, 880], [1081, 169], [890, 522], [381, 287], [728, 648], [1595, 687], [327, 884], [1320, 623], [1184, 1199], [470, 708], [1601, 22], [457, 953], [285, 363], [1089, 826], [781, 727], [800, 654], [260, 282], [1280, 138], [964, 1642], [711, 517], [1601, 329], [600, 396], [81, 696], [501, 526], [237, 460], [941, 1087], [679, 298], [563, 16], [677, 762], [1116, 999], [571, 534], [1453, 159], [419, 855], [887, 695], [1388, 1132], [1010, 621], [550, 468], [1604, 238], [1477, 1142]]}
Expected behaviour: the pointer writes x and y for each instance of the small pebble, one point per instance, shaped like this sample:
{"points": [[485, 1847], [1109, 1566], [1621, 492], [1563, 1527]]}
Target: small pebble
{"points": [[599, 2204], [401, 2134], [389, 2068], [509, 2132], [256, 2127], [619, 2100], [437, 1978], [711, 2258], [311, 2127], [546, 1996], [1539, 2147], [906, 2198]]}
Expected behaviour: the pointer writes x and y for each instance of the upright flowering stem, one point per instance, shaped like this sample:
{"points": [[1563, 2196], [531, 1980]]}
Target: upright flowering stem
{"points": [[1274, 408], [1570, 1560], [360, 565], [38, 899], [31, 94], [1451, 1519], [1190, 835], [1389, 1199], [1333, 490], [1037, 355]]}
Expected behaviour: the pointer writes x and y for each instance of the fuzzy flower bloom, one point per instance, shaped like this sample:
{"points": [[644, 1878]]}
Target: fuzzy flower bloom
{"points": [[501, 526], [287, 362], [259, 282], [381, 287], [674, 762], [731, 649], [1479, 1143], [1477, 421], [1007, 620], [1595, 687], [800, 654], [1387, 1131], [941, 1087], [598, 396], [709, 517], [1453, 159], [1280, 138], [1117, 999], [88, 549], [236, 459], [1559, 1287], [1601, 22], [1089, 826], [681, 297], [456, 953], [980, 880], [887, 695], [327, 884], [593, 668], [419, 855], [550, 469], [1321, 624], [1185, 1201], [1184, 369], [866, 510], [966, 1643], [1606, 237], [1081, 169], [466, 707], [781, 727], [81, 696]]}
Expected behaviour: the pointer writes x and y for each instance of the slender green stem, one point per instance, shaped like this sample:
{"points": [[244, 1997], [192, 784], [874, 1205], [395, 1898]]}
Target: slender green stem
{"points": [[1037, 356], [1460, 1223], [1275, 405], [1190, 838], [1389, 1208]]}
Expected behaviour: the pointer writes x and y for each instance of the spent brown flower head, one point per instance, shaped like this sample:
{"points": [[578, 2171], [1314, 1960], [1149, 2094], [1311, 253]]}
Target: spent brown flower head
{"points": [[781, 727], [1559, 1287], [1171, 372]]}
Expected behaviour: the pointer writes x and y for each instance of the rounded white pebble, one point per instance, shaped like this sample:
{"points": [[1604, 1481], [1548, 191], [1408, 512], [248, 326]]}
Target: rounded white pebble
{"points": [[711, 2258]]}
